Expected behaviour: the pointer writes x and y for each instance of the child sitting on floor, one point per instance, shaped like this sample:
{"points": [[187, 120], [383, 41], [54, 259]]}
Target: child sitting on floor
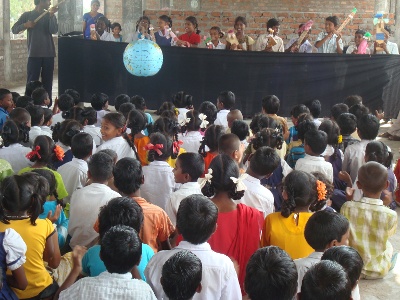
{"points": [[210, 140], [225, 102], [230, 145], [89, 117], [232, 116], [295, 113], [270, 107], [183, 102], [348, 125], [241, 129], [65, 102], [99, 102], [190, 132], [37, 118], [140, 104]]}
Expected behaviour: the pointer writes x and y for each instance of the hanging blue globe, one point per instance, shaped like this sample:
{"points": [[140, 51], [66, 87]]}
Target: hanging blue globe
{"points": [[143, 58]]}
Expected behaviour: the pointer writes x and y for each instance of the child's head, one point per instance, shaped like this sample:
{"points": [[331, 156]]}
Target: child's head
{"points": [[20, 116], [349, 259], [297, 111], [37, 114], [240, 24], [273, 24], [332, 130], [231, 145], [315, 142], [116, 28], [326, 194], [89, 116], [82, 145], [74, 94], [121, 99], [223, 169], [267, 122], [278, 272], [359, 110], [191, 25], [113, 125], [65, 131], [210, 139], [45, 150], [347, 123], [304, 124], [143, 22], [181, 275], [47, 117], [338, 109], [94, 4], [51, 179], [270, 104], [23, 101], [353, 100], [31, 86], [315, 108], [15, 96], [40, 97], [65, 103], [136, 122], [167, 126], [192, 121], [234, 115], [126, 108], [163, 21], [216, 33], [299, 191], [264, 162], [182, 100], [326, 229], [358, 37], [100, 167], [331, 23], [111, 153], [241, 129], [379, 152], [99, 101], [128, 176], [196, 219], [372, 178], [268, 137], [139, 102], [188, 167], [161, 148], [102, 24], [254, 123], [210, 110], [368, 127], [13, 133], [120, 249], [226, 100], [165, 106]]}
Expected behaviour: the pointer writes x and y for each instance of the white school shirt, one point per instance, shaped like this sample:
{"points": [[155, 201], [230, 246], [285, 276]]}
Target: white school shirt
{"points": [[159, 183], [191, 141], [57, 118], [95, 133], [311, 164], [222, 118], [220, 46], [119, 145], [107, 36], [257, 196], [306, 47], [182, 115], [350, 50], [219, 278], [15, 154], [391, 47], [108, 286], [74, 175], [304, 264], [84, 210], [354, 158], [329, 150], [46, 129], [35, 132], [100, 115], [186, 189], [330, 45], [317, 122], [262, 42]]}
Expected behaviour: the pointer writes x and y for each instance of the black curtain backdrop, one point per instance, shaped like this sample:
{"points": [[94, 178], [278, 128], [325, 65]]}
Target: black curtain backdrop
{"points": [[96, 66]]}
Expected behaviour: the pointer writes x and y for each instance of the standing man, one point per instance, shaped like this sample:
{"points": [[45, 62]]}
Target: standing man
{"points": [[41, 49]]}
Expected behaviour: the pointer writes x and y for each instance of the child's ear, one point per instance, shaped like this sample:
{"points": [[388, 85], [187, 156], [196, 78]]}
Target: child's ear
{"points": [[188, 178], [268, 175], [332, 244], [285, 195], [387, 184], [199, 288], [359, 185], [142, 181]]}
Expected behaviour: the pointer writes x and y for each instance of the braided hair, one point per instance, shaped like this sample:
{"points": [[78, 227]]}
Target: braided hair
{"points": [[379, 152], [210, 139], [268, 137], [65, 131], [320, 204], [137, 121], [13, 133], [332, 130], [166, 151], [194, 123], [170, 128]]}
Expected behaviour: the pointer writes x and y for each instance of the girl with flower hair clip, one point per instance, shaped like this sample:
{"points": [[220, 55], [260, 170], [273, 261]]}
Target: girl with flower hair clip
{"points": [[238, 226], [324, 193], [210, 141], [191, 136]]}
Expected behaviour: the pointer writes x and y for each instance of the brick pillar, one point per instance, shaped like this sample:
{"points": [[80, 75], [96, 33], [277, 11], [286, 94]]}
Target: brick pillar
{"points": [[6, 40], [382, 6]]}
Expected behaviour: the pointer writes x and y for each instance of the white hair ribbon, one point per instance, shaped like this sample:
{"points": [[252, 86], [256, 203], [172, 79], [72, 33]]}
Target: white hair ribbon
{"points": [[207, 178], [240, 186], [184, 121], [204, 121]]}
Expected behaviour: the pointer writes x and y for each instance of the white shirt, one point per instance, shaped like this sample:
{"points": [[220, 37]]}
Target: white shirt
{"points": [[330, 45], [15, 154], [108, 286], [186, 189], [222, 118], [119, 145], [107, 36], [84, 210], [219, 46], [317, 122], [304, 264], [74, 175], [311, 164], [57, 118], [351, 48], [159, 183], [306, 47], [391, 47], [36, 131], [329, 150], [354, 158], [182, 115], [100, 115], [219, 280], [47, 129], [262, 42], [14, 249], [95, 133], [257, 196], [191, 141]]}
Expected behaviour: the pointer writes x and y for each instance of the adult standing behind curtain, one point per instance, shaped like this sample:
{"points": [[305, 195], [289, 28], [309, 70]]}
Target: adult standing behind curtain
{"points": [[41, 49], [91, 18]]}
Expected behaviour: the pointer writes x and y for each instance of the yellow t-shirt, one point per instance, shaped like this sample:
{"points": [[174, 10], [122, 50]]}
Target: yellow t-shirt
{"points": [[171, 161], [284, 233], [35, 238]]}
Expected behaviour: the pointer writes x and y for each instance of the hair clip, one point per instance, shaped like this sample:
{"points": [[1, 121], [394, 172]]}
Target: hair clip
{"points": [[33, 153], [240, 186], [204, 121], [176, 146], [184, 121], [155, 147], [207, 178], [321, 190], [59, 152], [340, 139]]}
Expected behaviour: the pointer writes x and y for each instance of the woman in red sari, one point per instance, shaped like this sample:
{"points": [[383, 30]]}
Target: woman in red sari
{"points": [[238, 226]]}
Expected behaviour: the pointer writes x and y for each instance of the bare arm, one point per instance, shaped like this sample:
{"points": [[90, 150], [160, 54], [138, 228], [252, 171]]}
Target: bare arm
{"points": [[52, 251], [84, 27], [18, 279]]}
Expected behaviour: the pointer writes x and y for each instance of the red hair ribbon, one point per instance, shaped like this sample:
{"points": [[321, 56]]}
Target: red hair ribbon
{"points": [[33, 153], [177, 146], [155, 147]]}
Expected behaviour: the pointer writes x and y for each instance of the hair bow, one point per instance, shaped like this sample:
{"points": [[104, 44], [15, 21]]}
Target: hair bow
{"points": [[240, 186], [59, 152], [184, 121], [207, 178], [6, 130], [177, 146], [321, 190], [204, 121], [33, 153], [155, 147]]}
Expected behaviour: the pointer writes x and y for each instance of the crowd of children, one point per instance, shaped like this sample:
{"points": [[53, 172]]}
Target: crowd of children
{"points": [[179, 207]]}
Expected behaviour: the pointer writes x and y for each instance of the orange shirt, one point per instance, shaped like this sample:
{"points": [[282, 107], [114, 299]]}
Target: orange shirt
{"points": [[140, 143], [207, 160]]}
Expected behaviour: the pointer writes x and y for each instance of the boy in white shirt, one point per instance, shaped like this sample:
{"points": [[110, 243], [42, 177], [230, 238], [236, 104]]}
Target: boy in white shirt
{"points": [[41, 97], [263, 41], [99, 102], [37, 118], [315, 142], [64, 103], [387, 46], [231, 145], [329, 41], [225, 102], [47, 121]]}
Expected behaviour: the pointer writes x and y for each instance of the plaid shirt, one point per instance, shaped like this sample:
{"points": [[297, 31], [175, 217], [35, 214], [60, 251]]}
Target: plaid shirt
{"points": [[371, 225]]}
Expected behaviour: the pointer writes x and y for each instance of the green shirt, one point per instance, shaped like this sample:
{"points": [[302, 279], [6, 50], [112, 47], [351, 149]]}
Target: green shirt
{"points": [[5, 169]]}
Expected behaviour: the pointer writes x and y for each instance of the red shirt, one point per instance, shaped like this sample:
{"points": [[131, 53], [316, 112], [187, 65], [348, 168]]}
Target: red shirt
{"points": [[193, 38]]}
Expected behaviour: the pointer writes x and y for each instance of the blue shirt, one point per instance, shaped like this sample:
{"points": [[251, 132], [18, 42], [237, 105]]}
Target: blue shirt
{"points": [[93, 266], [4, 115], [62, 222], [162, 40], [149, 121], [89, 21], [292, 135]]}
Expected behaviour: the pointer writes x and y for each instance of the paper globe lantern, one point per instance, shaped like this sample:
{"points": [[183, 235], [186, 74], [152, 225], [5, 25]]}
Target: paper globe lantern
{"points": [[143, 58]]}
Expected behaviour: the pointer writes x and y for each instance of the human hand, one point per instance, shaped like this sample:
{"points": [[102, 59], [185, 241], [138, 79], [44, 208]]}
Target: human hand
{"points": [[379, 115], [350, 193], [53, 10], [29, 24], [56, 215], [344, 176], [387, 198], [329, 36], [339, 36], [268, 48], [295, 49], [77, 255], [234, 47]]}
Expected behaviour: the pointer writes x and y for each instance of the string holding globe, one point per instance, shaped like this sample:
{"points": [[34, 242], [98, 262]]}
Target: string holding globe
{"points": [[143, 58]]}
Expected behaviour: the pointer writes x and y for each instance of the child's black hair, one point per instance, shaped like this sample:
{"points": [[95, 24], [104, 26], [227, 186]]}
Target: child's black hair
{"points": [[181, 275], [120, 249], [221, 34], [168, 127], [347, 123], [254, 123], [46, 151], [241, 129], [241, 19], [15, 96], [23, 101], [37, 114], [128, 175], [223, 168], [269, 137], [264, 161], [319, 204], [3, 93], [182, 100], [141, 19], [304, 126], [65, 131], [324, 227], [267, 122], [379, 152], [192, 164], [169, 114], [196, 219], [349, 259], [229, 143], [19, 194], [317, 140], [332, 131], [193, 20], [139, 102], [13, 133], [359, 110], [100, 167], [227, 98], [20, 116], [39, 96], [278, 272], [48, 114], [31, 86], [158, 138], [106, 22], [116, 119], [353, 99], [89, 114], [65, 103], [166, 19], [116, 24], [373, 177], [51, 179], [368, 127], [111, 153], [315, 108], [165, 106], [338, 109], [272, 22], [126, 108], [210, 139], [271, 104], [301, 190], [120, 211], [362, 32], [333, 19], [99, 100], [326, 280], [299, 109], [194, 123], [121, 99], [210, 110], [74, 94], [82, 145], [136, 122]]}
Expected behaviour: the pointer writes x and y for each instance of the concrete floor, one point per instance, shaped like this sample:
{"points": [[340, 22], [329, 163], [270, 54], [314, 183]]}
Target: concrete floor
{"points": [[382, 289]]}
